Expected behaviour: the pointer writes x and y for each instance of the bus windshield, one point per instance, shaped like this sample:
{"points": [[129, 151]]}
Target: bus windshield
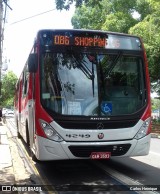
{"points": [[92, 84]]}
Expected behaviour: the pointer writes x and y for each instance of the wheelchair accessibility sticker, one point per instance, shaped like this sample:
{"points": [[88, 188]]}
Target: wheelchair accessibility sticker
{"points": [[106, 107]]}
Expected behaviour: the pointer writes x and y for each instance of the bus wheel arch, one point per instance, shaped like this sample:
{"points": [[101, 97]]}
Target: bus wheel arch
{"points": [[27, 134], [32, 155], [18, 133]]}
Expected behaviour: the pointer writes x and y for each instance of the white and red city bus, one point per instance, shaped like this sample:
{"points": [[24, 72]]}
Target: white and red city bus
{"points": [[84, 94]]}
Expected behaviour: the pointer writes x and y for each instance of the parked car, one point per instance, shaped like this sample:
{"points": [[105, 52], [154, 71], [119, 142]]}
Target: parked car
{"points": [[7, 112], [10, 112]]}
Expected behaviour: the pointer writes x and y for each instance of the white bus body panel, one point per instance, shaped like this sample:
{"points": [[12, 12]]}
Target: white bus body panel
{"points": [[49, 150], [46, 149]]}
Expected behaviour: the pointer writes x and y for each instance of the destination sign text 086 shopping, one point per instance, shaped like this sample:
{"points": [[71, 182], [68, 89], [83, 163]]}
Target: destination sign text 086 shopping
{"points": [[80, 41]]}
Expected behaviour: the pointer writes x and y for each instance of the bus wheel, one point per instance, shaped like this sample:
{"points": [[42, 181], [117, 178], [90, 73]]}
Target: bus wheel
{"points": [[27, 136]]}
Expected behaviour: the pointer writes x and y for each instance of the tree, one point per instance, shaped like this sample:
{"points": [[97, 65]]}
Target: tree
{"points": [[155, 104], [65, 4], [149, 30], [8, 89], [111, 15], [119, 22], [89, 17]]}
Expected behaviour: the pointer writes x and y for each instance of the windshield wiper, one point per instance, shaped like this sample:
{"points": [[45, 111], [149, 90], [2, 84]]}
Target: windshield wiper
{"points": [[113, 64], [89, 74]]}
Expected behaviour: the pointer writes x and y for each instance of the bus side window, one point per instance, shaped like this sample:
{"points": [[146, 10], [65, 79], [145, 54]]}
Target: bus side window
{"points": [[25, 81]]}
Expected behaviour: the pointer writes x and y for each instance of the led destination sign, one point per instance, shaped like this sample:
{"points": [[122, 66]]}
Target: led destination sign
{"points": [[80, 41], [90, 40], [109, 41]]}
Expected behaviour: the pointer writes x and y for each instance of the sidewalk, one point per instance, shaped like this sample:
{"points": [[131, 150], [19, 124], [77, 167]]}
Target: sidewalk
{"points": [[6, 167], [13, 169]]}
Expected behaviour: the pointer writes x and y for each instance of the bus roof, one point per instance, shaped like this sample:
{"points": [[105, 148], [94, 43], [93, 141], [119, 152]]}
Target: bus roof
{"points": [[87, 30]]}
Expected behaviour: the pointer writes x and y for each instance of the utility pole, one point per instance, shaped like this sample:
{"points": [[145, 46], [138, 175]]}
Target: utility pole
{"points": [[1, 39], [2, 24]]}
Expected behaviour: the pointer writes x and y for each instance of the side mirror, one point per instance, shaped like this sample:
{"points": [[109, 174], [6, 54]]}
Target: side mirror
{"points": [[32, 63]]}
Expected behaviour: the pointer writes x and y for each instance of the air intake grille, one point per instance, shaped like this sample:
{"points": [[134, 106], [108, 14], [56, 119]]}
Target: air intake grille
{"points": [[85, 151]]}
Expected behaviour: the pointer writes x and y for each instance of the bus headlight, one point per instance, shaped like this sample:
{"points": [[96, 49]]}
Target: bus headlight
{"points": [[144, 129], [50, 132]]}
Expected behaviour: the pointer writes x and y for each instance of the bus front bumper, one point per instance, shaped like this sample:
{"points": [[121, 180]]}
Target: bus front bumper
{"points": [[46, 149]]}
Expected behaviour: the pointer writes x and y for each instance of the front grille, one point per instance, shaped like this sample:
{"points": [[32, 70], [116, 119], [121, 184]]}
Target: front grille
{"points": [[85, 151], [114, 124]]}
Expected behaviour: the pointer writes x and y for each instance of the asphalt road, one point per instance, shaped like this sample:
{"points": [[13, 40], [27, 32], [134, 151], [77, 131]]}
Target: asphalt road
{"points": [[144, 169]]}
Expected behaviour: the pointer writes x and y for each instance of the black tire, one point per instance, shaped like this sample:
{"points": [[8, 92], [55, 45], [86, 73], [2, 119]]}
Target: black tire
{"points": [[27, 136]]}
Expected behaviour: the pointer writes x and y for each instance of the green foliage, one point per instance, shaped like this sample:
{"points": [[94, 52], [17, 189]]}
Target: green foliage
{"points": [[143, 8], [8, 89], [155, 104], [112, 15], [119, 22], [88, 18], [65, 4], [149, 30]]}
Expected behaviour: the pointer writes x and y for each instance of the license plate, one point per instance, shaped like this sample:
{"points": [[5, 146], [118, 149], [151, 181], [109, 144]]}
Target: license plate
{"points": [[100, 155]]}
